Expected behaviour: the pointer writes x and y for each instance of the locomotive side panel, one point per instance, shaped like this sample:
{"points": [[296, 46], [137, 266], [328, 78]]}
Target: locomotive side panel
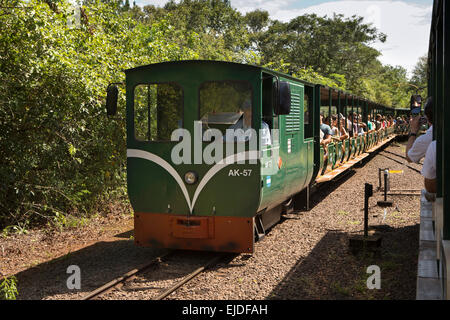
{"points": [[294, 154]]}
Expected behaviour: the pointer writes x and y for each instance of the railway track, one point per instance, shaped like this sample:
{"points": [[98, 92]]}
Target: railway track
{"points": [[172, 269]]}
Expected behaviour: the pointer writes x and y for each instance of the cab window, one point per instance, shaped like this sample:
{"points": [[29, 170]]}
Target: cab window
{"points": [[158, 111], [225, 103]]}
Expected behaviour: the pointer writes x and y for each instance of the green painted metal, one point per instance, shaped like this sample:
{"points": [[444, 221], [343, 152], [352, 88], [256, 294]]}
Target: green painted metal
{"points": [[358, 146], [352, 125], [353, 147], [347, 150], [332, 155], [446, 105], [321, 166], [318, 152], [297, 160], [150, 187], [363, 144], [339, 153], [347, 111], [439, 86], [330, 101]]}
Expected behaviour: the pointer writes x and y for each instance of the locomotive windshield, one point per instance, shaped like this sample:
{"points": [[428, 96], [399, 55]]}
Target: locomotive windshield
{"points": [[158, 111], [222, 117], [224, 103]]}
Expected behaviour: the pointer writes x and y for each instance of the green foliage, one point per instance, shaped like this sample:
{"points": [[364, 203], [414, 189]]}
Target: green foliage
{"points": [[219, 31], [63, 221], [335, 80], [20, 228], [61, 155], [420, 75], [334, 51], [8, 288], [328, 45], [388, 86]]}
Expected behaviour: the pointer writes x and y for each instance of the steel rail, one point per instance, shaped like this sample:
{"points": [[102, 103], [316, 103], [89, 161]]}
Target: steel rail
{"points": [[403, 194], [400, 162], [97, 292], [110, 285], [189, 277]]}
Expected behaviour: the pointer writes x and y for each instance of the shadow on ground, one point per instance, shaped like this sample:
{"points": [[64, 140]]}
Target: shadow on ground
{"points": [[330, 271], [99, 264]]}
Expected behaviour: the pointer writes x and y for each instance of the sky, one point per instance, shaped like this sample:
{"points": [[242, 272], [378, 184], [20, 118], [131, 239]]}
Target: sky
{"points": [[406, 23]]}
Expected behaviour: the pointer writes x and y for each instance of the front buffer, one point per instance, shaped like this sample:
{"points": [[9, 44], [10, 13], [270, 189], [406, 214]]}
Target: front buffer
{"points": [[224, 234]]}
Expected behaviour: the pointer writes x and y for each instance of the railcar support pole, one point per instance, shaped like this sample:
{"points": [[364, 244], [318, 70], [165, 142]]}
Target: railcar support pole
{"points": [[379, 177], [365, 241], [368, 192], [385, 203]]}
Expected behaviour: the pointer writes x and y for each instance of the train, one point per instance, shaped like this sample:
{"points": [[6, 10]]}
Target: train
{"points": [[438, 74], [218, 151]]}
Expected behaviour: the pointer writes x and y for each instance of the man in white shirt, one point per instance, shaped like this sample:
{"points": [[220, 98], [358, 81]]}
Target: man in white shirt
{"points": [[351, 125], [417, 146], [429, 168], [245, 123]]}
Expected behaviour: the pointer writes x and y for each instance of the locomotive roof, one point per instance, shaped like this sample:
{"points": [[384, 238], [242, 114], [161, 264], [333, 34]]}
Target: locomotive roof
{"points": [[241, 65], [253, 67]]}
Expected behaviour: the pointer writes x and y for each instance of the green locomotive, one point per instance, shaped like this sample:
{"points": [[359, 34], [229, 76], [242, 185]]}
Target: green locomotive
{"points": [[216, 151]]}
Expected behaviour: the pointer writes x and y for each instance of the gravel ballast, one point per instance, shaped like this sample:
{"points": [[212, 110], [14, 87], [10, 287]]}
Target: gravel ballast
{"points": [[306, 256]]}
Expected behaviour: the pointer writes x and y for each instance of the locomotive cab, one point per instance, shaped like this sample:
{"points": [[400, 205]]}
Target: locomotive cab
{"points": [[212, 147]]}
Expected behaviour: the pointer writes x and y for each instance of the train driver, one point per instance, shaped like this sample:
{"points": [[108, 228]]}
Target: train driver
{"points": [[245, 123]]}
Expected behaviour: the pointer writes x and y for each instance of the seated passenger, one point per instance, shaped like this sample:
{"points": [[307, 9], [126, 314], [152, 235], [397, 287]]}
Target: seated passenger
{"points": [[334, 126], [361, 131], [356, 126], [361, 126], [325, 136], [370, 124], [378, 122], [343, 133], [351, 126], [325, 129], [339, 132], [391, 121]]}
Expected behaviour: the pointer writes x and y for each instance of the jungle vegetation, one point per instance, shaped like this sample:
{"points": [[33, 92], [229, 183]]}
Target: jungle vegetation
{"points": [[62, 157]]}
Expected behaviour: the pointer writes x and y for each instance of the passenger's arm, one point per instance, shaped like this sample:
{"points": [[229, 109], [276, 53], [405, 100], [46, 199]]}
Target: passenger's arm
{"points": [[414, 128], [344, 134], [430, 185], [326, 140]]}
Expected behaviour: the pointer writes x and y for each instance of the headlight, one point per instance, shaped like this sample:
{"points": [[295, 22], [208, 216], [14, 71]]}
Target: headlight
{"points": [[190, 177]]}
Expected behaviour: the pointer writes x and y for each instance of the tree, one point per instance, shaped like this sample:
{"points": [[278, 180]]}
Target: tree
{"points": [[419, 76], [328, 45], [60, 153]]}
